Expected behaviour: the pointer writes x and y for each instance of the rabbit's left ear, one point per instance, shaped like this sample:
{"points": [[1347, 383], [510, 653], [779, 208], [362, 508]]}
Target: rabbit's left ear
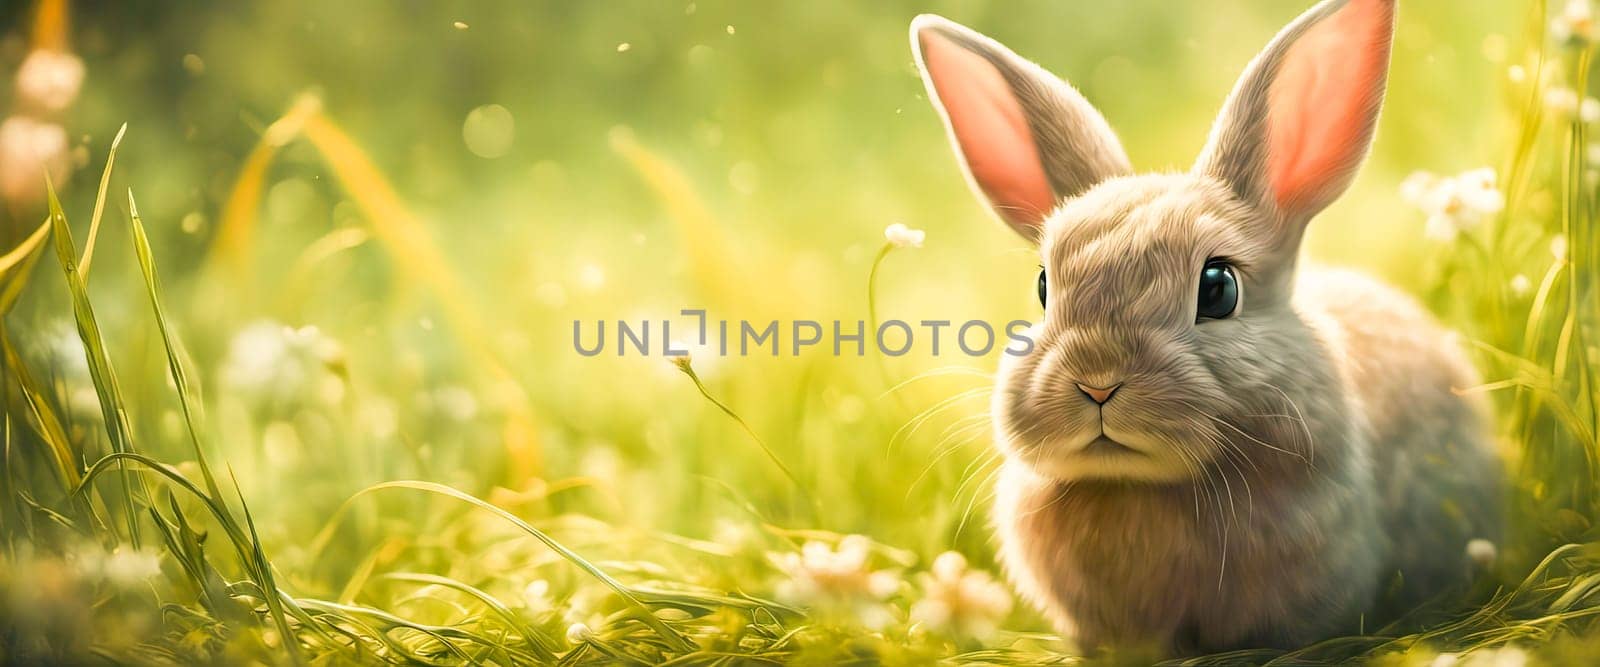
{"points": [[1300, 121], [1025, 138]]}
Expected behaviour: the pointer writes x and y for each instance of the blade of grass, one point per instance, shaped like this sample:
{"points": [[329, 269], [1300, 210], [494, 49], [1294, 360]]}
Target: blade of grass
{"points": [[642, 613], [112, 407], [534, 638], [188, 394], [99, 205], [44, 420], [267, 580]]}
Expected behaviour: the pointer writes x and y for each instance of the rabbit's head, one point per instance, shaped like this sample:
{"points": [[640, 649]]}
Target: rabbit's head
{"points": [[1167, 316]]}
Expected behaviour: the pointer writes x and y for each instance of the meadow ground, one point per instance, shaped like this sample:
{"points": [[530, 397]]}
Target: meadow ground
{"points": [[292, 379]]}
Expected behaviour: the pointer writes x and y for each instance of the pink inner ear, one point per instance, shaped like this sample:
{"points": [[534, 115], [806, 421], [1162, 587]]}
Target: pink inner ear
{"points": [[991, 130], [1323, 100]]}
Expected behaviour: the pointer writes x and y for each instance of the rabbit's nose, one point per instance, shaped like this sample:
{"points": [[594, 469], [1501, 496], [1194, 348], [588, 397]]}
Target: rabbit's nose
{"points": [[1098, 394]]}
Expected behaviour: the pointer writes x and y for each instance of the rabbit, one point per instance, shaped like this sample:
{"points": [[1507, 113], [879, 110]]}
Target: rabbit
{"points": [[1210, 447]]}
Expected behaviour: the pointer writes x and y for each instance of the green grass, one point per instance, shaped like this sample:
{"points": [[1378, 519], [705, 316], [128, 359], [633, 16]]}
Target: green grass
{"points": [[431, 475]]}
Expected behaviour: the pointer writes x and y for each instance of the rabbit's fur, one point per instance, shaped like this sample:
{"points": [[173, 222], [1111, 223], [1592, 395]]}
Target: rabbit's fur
{"points": [[1281, 474]]}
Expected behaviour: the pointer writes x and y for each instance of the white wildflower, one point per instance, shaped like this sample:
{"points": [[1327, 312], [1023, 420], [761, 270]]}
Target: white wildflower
{"points": [[904, 237], [1567, 104], [280, 367], [1561, 101], [579, 633], [1417, 186], [1517, 74], [536, 597], [49, 80], [1445, 660], [127, 568], [961, 601], [1482, 552], [1504, 656], [837, 580], [453, 402], [1453, 205], [29, 149], [737, 535], [1575, 24], [1520, 285], [1558, 247]]}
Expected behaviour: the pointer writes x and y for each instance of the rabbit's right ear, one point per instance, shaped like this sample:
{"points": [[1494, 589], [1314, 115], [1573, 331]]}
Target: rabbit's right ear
{"points": [[1025, 138]]}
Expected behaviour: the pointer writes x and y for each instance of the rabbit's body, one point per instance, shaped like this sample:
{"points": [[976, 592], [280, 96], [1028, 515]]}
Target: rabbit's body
{"points": [[1276, 552], [1207, 447]]}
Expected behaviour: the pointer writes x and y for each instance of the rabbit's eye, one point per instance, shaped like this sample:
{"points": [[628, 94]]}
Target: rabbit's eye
{"points": [[1042, 290], [1219, 291]]}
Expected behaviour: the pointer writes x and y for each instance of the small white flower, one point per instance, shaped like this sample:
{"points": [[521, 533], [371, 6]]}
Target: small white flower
{"points": [[1561, 101], [29, 149], [959, 601], [1566, 103], [578, 633], [1558, 247], [127, 568], [1482, 552], [837, 580], [1479, 193], [904, 237], [1453, 205], [1505, 656], [277, 366], [1417, 186], [49, 80], [1440, 228], [1575, 24], [1520, 285], [536, 597], [1517, 74], [454, 402]]}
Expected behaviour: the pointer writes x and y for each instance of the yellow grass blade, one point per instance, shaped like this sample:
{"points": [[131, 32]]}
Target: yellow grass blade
{"points": [[408, 241], [19, 254], [711, 261], [100, 205], [50, 25], [240, 213], [400, 232]]}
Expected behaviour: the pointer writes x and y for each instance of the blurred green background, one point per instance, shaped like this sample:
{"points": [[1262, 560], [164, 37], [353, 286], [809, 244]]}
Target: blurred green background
{"points": [[800, 128]]}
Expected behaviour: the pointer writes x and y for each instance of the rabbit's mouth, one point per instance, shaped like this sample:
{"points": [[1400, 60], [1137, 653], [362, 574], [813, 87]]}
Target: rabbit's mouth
{"points": [[1105, 446]]}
